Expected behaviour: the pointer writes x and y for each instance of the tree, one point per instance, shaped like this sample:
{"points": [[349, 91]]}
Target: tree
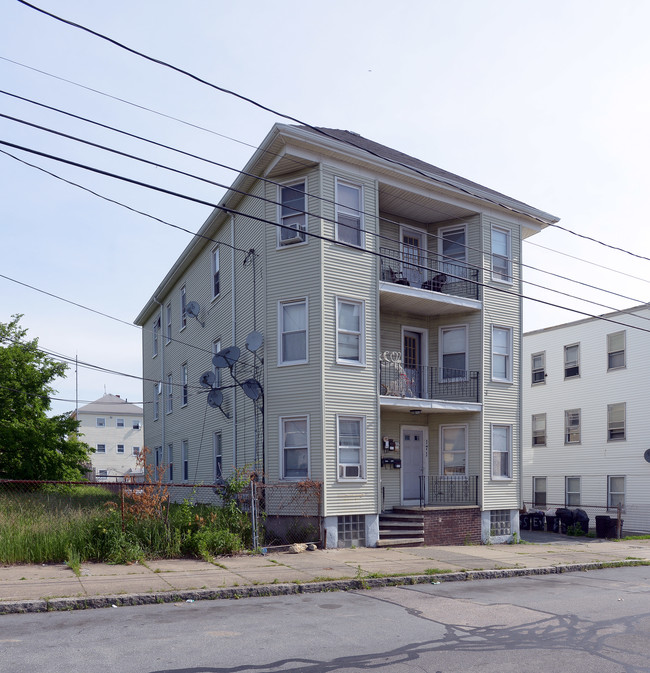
{"points": [[33, 445]]}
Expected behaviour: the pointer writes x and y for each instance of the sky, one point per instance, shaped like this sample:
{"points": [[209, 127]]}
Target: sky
{"points": [[545, 102]]}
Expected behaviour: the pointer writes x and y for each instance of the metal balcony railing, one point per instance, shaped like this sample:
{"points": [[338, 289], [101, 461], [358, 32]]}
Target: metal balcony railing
{"points": [[428, 383], [429, 271], [453, 490]]}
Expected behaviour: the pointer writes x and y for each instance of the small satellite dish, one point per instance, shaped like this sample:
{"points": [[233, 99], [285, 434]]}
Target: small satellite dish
{"points": [[215, 398], [208, 379], [193, 309], [253, 341], [226, 357], [252, 389], [646, 455]]}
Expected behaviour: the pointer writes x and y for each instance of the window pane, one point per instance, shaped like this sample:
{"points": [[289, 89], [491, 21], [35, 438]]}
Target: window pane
{"points": [[294, 317], [501, 341], [348, 196], [295, 463], [349, 433], [453, 244], [294, 347], [453, 340], [295, 433], [349, 317], [348, 346], [499, 242]]}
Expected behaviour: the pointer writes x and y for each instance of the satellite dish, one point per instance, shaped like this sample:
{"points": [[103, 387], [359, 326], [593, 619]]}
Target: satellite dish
{"points": [[253, 341], [208, 379], [252, 389], [646, 455], [215, 398], [226, 357], [193, 309]]}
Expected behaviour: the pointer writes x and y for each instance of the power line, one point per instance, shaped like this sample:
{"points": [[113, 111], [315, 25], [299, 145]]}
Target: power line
{"points": [[276, 224], [315, 129]]}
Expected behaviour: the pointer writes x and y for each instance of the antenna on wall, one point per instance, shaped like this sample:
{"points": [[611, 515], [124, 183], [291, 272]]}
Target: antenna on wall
{"points": [[193, 309]]}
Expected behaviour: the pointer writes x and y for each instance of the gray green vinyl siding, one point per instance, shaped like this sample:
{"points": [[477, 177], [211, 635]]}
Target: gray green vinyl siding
{"points": [[501, 401]]}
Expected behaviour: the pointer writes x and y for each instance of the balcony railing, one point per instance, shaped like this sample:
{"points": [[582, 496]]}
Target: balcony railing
{"points": [[428, 383], [428, 271], [453, 490]]}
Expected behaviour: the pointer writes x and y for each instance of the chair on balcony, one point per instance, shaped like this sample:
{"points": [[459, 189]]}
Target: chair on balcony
{"points": [[436, 283], [395, 277]]}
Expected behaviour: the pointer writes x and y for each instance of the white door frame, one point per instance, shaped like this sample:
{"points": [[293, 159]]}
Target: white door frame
{"points": [[422, 234], [425, 460], [424, 354]]}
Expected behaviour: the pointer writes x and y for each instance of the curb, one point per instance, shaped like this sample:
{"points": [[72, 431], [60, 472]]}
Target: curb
{"points": [[259, 591]]}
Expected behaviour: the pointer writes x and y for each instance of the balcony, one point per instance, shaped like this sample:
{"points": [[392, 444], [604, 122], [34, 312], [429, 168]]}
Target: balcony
{"points": [[427, 271], [427, 383]]}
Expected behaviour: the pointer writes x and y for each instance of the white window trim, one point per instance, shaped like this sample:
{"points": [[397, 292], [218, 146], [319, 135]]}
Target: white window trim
{"points": [[135, 451], [495, 278], [541, 354], [509, 355], [441, 367], [303, 228], [362, 234], [103, 421], [282, 421], [170, 462], [508, 427], [610, 507], [362, 332], [154, 336], [362, 452], [157, 387], [624, 365], [532, 433], [168, 327], [566, 490], [441, 462], [564, 361], [185, 463], [183, 308], [169, 394], [217, 443], [184, 385], [216, 347], [566, 426], [215, 266], [534, 499], [97, 450], [440, 235], [117, 423], [624, 437], [117, 448], [281, 304]]}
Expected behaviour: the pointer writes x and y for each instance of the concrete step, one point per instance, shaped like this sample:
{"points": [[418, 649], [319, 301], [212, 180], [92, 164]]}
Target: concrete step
{"points": [[401, 542]]}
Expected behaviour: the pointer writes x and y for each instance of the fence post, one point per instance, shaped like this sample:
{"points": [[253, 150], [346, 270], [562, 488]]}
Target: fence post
{"points": [[619, 532], [122, 503], [254, 515]]}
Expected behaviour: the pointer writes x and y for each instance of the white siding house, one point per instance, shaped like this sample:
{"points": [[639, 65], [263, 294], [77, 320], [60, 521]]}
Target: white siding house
{"points": [[113, 428], [586, 421], [387, 293]]}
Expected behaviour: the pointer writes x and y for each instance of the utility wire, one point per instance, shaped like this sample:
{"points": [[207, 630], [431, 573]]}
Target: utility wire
{"points": [[276, 224], [315, 129]]}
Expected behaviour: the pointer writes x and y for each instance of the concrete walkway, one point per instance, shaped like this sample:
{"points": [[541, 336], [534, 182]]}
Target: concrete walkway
{"points": [[36, 588]]}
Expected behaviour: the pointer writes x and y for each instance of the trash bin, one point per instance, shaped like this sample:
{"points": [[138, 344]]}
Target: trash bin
{"points": [[524, 522], [581, 519], [612, 530], [603, 522], [537, 521], [566, 517], [551, 526]]}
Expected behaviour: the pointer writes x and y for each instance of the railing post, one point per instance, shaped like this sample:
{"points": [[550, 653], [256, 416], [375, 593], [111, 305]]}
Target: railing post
{"points": [[122, 502]]}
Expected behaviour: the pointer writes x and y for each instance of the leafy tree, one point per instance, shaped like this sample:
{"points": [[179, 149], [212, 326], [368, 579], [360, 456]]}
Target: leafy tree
{"points": [[33, 445]]}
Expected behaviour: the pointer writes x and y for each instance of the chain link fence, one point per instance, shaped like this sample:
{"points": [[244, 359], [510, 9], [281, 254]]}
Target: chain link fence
{"points": [[603, 521]]}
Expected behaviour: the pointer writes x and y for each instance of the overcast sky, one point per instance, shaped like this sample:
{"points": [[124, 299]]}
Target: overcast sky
{"points": [[546, 102]]}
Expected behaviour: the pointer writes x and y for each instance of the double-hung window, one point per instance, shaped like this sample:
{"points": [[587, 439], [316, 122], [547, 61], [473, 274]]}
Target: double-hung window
{"points": [[183, 307], [292, 320], [168, 311], [502, 354], [184, 384], [170, 394], [294, 435], [572, 426], [156, 400], [135, 450], [217, 457], [538, 368], [616, 350], [349, 219], [539, 492], [572, 488], [539, 429], [501, 255], [453, 442], [571, 361], [119, 422], [170, 462], [154, 334], [216, 347], [616, 492], [349, 331], [501, 452], [616, 421], [101, 448], [215, 272], [351, 449], [292, 214], [101, 422], [120, 448], [453, 250], [185, 460], [453, 353]]}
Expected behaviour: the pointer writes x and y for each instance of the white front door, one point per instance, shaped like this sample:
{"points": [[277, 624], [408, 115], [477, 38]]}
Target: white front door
{"points": [[414, 464], [413, 256]]}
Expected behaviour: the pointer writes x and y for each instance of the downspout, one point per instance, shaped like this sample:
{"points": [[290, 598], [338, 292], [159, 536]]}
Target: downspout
{"points": [[161, 404], [233, 336]]}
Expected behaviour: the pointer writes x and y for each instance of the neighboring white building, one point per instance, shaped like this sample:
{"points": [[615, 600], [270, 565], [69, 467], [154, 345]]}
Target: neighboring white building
{"points": [[586, 416], [113, 428], [387, 292]]}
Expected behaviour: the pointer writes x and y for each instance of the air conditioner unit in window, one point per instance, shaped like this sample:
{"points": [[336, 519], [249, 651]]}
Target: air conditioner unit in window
{"points": [[350, 471], [292, 234]]}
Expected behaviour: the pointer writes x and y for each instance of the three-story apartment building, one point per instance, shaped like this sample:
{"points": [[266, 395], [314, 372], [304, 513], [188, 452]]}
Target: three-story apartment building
{"points": [[376, 303]]}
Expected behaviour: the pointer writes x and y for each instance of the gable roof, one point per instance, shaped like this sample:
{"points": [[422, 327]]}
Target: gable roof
{"points": [[112, 405]]}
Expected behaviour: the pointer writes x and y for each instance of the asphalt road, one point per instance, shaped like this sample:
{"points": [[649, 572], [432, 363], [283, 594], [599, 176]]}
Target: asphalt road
{"points": [[586, 621]]}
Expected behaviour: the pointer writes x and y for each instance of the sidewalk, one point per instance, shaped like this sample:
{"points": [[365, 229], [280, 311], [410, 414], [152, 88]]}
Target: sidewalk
{"points": [[35, 588]]}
